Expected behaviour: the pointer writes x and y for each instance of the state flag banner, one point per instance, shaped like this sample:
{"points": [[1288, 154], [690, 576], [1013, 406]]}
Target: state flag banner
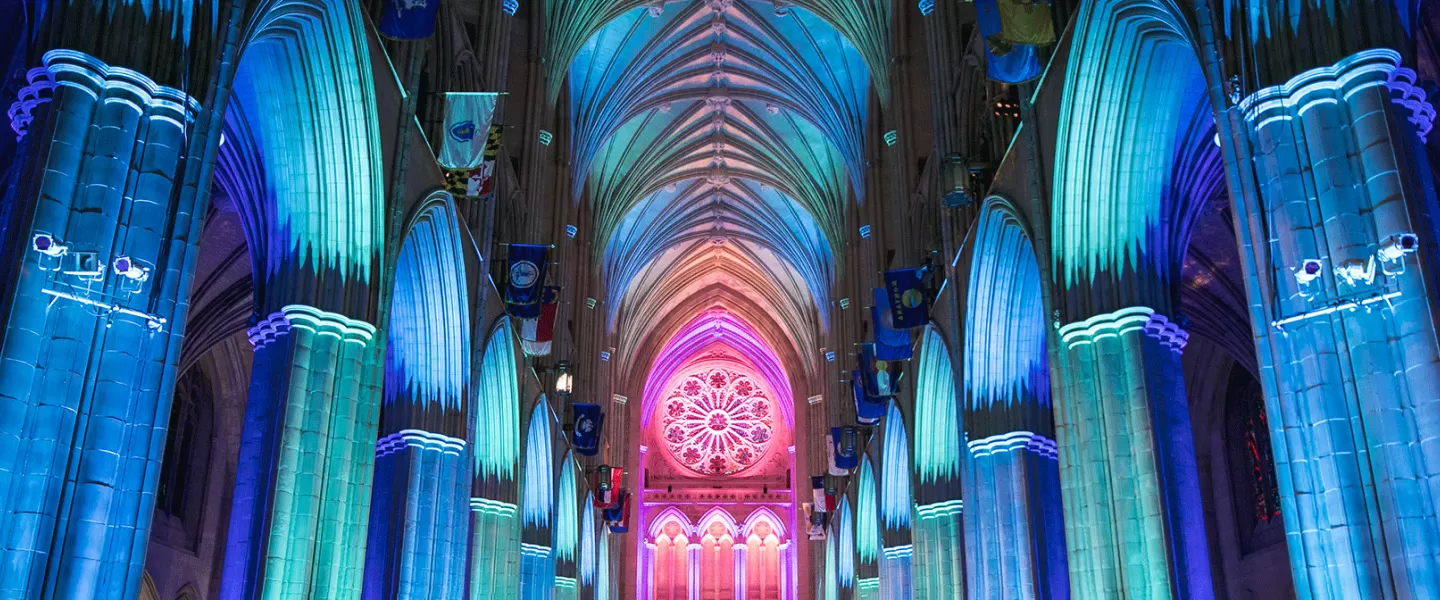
{"points": [[589, 419], [890, 343], [909, 306], [537, 334], [523, 285], [408, 19], [467, 128], [868, 411]]}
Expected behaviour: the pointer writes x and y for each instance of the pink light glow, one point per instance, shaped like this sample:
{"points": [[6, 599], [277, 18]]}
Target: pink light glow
{"points": [[718, 330]]}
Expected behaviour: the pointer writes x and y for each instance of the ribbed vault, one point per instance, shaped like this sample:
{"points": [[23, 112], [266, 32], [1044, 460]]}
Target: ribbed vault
{"points": [[717, 144]]}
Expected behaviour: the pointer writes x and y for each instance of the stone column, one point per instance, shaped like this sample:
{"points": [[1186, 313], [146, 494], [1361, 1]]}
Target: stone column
{"points": [[895, 573], [938, 539], [693, 582], [87, 366], [302, 490], [1334, 180], [419, 517], [1133, 521], [1014, 522], [494, 525], [741, 551]]}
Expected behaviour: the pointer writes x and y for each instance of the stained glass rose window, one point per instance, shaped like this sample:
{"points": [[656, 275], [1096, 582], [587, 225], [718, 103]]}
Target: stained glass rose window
{"points": [[717, 422]]}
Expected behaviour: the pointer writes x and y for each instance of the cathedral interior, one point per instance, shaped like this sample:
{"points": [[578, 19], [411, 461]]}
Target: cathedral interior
{"points": [[719, 299]]}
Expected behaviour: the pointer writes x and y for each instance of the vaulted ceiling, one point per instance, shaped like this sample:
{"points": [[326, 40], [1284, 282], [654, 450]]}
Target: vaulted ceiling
{"points": [[717, 143]]}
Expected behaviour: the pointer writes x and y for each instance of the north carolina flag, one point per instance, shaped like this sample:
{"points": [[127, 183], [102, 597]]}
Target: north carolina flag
{"points": [[536, 334], [607, 482]]}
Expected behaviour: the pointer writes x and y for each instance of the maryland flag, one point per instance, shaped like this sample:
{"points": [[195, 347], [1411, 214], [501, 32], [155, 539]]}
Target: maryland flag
{"points": [[477, 181]]}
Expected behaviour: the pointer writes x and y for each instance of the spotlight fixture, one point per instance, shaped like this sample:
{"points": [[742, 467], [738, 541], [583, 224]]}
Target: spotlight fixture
{"points": [[125, 266], [1393, 250], [1356, 271], [46, 244], [1309, 271]]}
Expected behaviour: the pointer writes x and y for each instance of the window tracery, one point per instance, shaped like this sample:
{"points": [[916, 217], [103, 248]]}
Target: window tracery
{"points": [[718, 422]]}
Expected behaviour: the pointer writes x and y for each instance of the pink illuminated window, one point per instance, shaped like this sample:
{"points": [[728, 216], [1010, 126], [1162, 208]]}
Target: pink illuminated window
{"points": [[672, 563], [718, 422], [717, 564], [762, 563]]}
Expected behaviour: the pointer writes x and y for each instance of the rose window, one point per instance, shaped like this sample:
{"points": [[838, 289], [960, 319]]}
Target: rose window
{"points": [[717, 422]]}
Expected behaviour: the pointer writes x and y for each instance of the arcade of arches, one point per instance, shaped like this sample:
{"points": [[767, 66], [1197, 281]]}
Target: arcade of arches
{"points": [[719, 299]]}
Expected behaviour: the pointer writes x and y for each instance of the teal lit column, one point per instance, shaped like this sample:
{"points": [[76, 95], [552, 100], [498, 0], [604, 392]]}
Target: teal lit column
{"points": [[87, 365], [420, 503], [495, 552], [896, 506], [938, 552], [1133, 521], [1331, 171], [1014, 527], [302, 490]]}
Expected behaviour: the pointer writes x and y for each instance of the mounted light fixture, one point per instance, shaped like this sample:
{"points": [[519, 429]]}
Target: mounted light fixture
{"points": [[563, 379]]}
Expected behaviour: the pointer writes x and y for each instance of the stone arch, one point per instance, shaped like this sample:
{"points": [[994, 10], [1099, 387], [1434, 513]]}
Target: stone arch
{"points": [[497, 412], [937, 414], [427, 352], [303, 162], [1133, 85]]}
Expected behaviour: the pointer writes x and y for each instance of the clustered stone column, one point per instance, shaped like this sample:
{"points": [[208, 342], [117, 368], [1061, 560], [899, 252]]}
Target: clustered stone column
{"points": [[88, 364], [1343, 303], [302, 491], [1132, 499]]}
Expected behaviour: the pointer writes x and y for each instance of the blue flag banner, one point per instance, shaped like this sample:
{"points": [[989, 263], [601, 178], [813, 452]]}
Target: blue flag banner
{"points": [[868, 411], [408, 19], [588, 421], [909, 307], [890, 343], [527, 273], [881, 377], [847, 451], [1005, 60]]}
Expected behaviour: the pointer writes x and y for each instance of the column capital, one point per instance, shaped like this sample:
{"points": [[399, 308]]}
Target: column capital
{"points": [[1123, 321], [1364, 69], [422, 440], [313, 319], [78, 70]]}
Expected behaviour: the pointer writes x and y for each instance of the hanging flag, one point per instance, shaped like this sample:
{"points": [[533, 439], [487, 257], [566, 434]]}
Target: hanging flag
{"points": [[818, 520], [832, 496], [890, 343], [1027, 22], [486, 174], [467, 127], [588, 422], [847, 447], [607, 481], [527, 272], [881, 378], [620, 523], [817, 492], [408, 19], [868, 411], [831, 461], [1004, 59], [909, 307], [536, 334]]}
